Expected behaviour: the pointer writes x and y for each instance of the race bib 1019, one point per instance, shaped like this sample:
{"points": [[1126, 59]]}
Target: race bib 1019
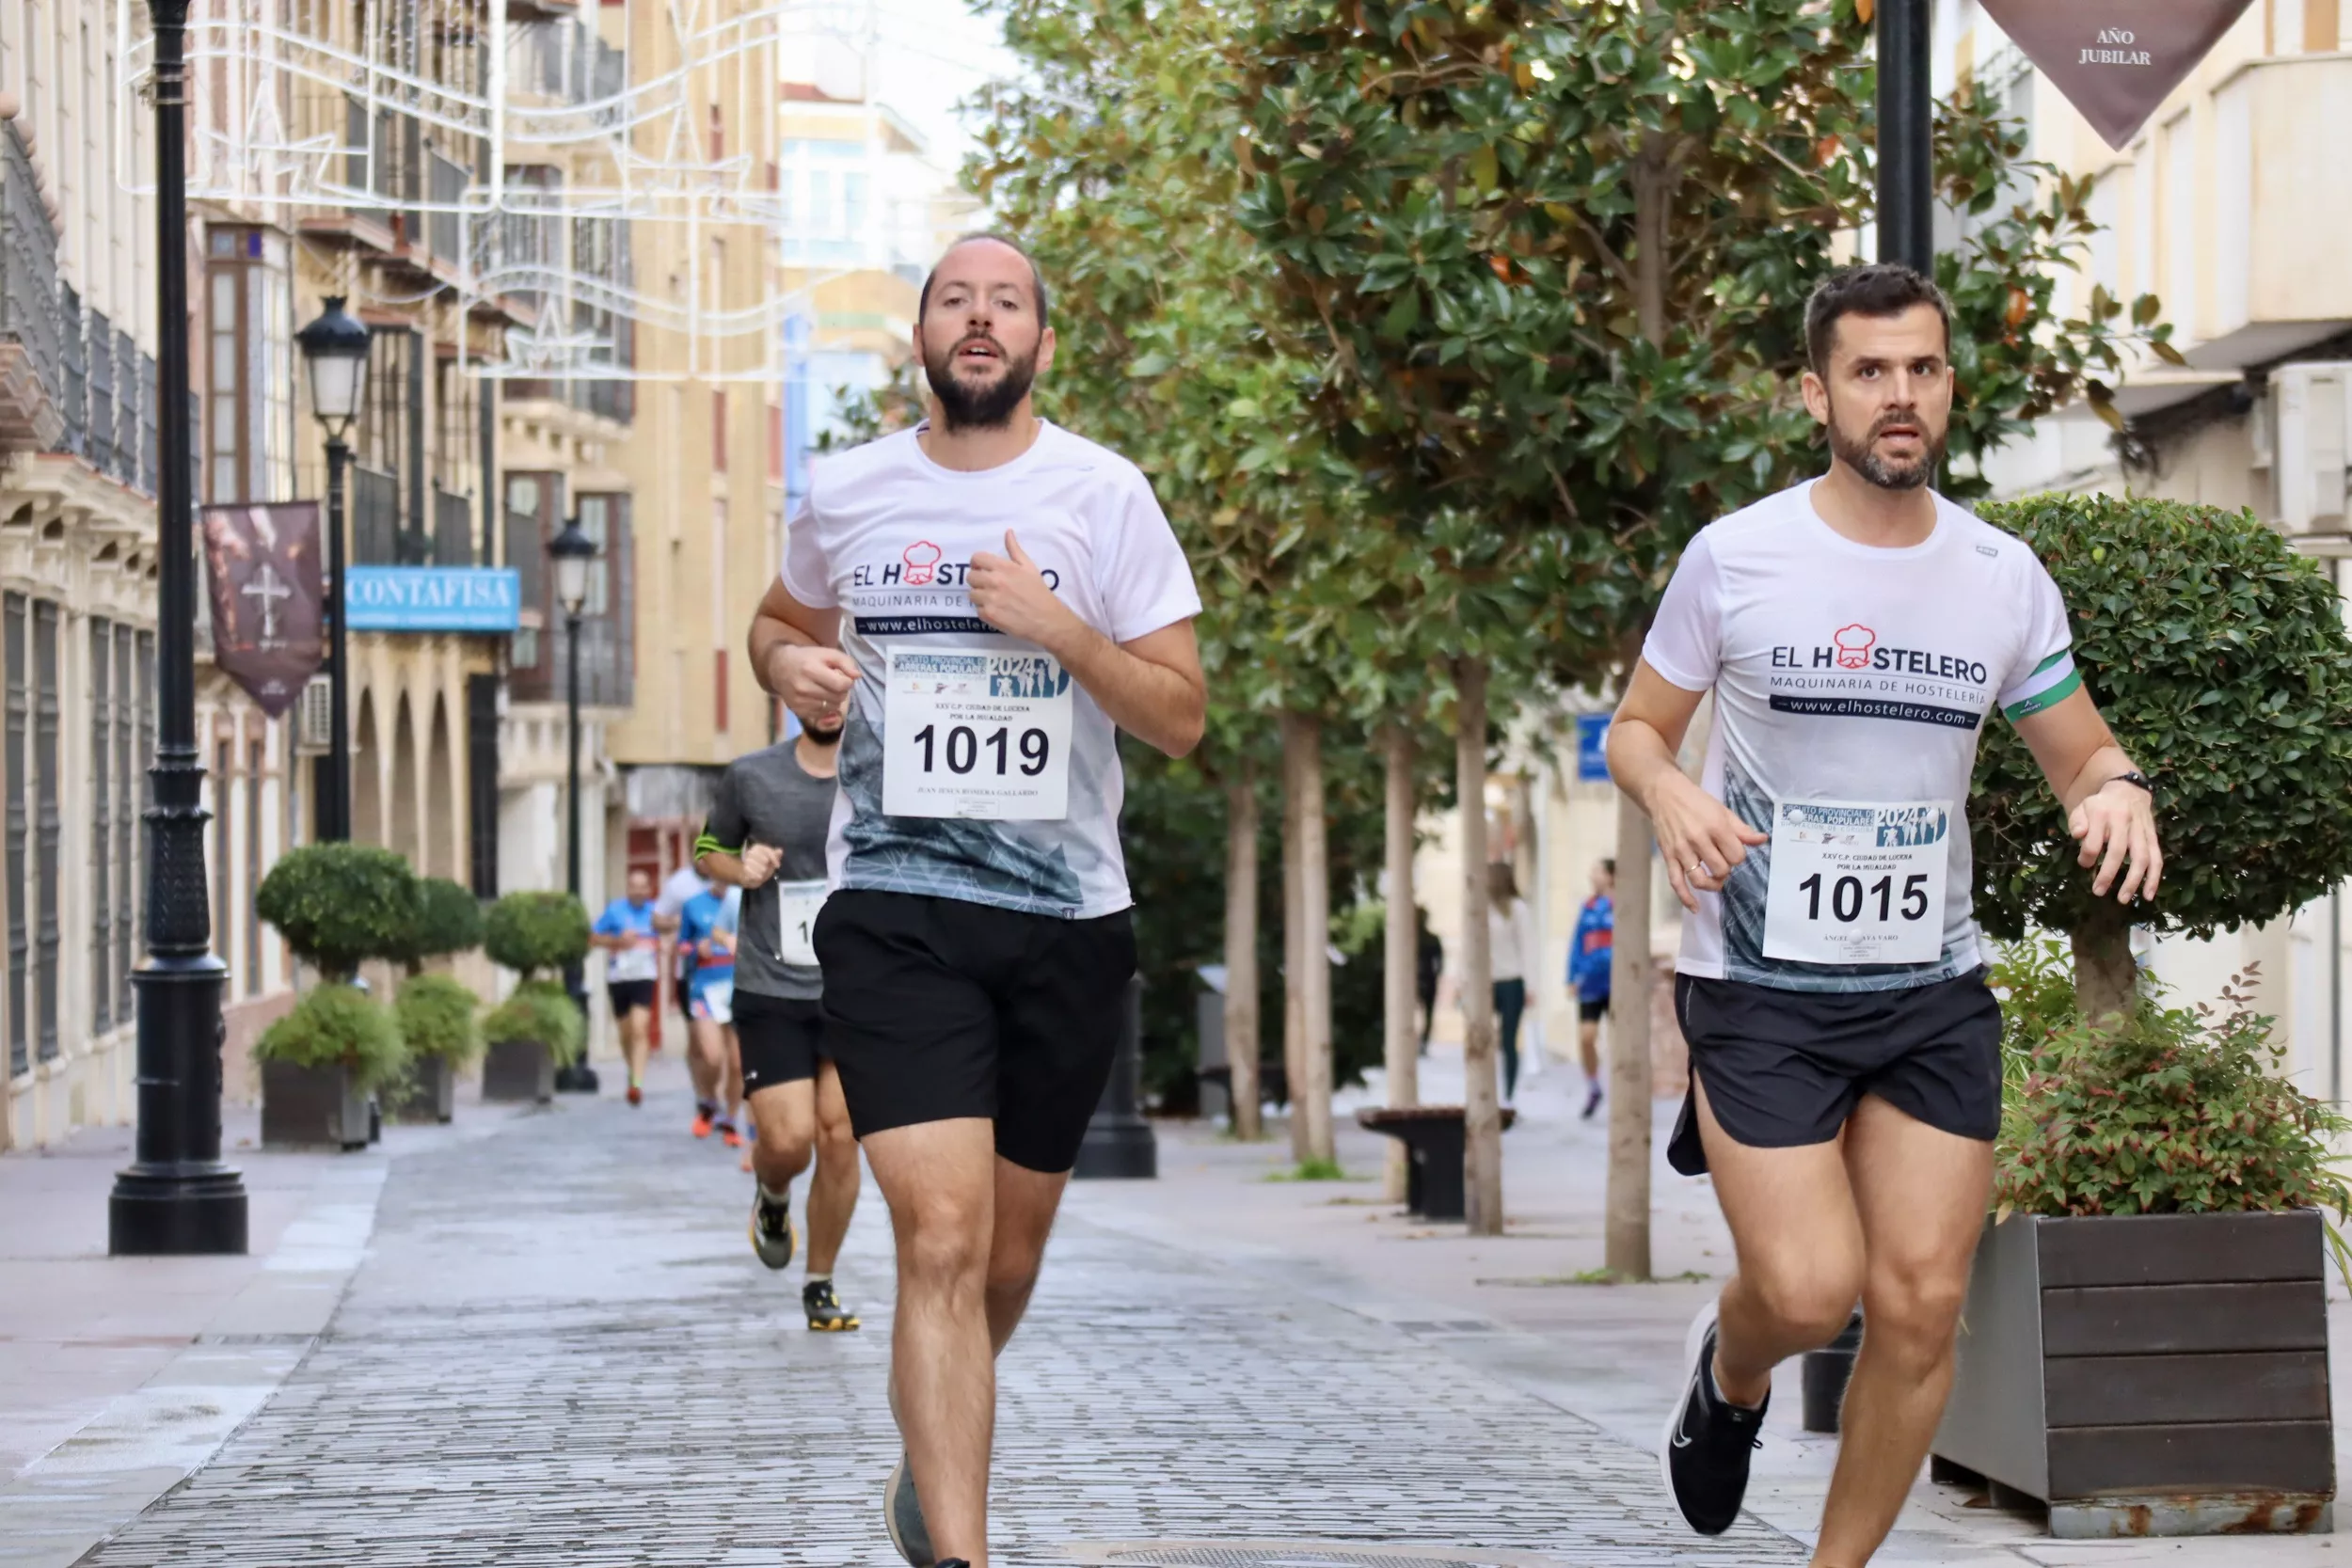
{"points": [[1858, 883], [797, 904], [975, 732]]}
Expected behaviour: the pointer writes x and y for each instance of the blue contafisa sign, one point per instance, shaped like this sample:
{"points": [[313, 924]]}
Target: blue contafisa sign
{"points": [[481, 600]]}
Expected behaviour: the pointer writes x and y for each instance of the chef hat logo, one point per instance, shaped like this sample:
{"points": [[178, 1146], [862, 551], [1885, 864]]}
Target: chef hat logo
{"points": [[920, 558], [1854, 643]]}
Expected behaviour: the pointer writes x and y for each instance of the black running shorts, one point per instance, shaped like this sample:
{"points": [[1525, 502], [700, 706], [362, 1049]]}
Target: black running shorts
{"points": [[1784, 1069], [937, 1008], [1591, 1009], [630, 995], [780, 1037]]}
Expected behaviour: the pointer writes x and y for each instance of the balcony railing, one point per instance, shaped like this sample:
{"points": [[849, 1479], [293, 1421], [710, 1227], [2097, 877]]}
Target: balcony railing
{"points": [[31, 351], [98, 423], [375, 518], [452, 530]]}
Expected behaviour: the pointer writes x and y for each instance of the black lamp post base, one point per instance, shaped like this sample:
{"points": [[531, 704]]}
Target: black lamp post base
{"points": [[578, 1078], [164, 1211]]}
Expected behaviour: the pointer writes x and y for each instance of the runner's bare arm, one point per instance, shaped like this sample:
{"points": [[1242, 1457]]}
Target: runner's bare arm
{"points": [[1150, 686], [794, 654], [1697, 834], [2115, 822]]}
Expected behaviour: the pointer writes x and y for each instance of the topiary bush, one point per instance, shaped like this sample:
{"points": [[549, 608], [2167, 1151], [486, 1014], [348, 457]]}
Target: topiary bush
{"points": [[336, 1025], [2219, 657], [536, 933], [448, 919], [538, 1011], [337, 905], [436, 1017], [2176, 1110]]}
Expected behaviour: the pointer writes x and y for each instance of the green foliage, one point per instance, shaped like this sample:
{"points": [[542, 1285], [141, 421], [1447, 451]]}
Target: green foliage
{"points": [[2180, 1111], [448, 920], [337, 905], [1313, 1170], [2035, 979], [2219, 657], [535, 932], [539, 1011], [336, 1025], [436, 1014]]}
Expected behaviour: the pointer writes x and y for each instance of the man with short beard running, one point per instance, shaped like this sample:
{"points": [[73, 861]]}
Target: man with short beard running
{"points": [[766, 835], [994, 598], [1856, 631]]}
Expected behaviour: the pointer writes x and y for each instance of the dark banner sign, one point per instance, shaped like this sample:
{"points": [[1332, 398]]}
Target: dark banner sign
{"points": [[268, 587], [2115, 60]]}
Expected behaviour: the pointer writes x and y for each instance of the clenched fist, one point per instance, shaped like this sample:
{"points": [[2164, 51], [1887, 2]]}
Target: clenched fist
{"points": [[815, 683]]}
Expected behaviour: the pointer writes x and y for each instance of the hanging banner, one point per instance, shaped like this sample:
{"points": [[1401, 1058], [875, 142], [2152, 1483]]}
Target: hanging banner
{"points": [[268, 587], [2115, 60]]}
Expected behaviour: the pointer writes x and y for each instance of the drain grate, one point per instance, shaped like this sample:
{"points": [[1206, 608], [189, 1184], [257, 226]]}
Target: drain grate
{"points": [[1294, 1554]]}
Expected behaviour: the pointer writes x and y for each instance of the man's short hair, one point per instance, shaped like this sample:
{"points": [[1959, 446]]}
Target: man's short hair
{"points": [[1037, 276], [1609, 863], [1881, 289]]}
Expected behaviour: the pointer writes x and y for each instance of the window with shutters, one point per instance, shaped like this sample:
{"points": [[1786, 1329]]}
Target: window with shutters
{"points": [[48, 827], [256, 763], [248, 368], [128, 795], [102, 725], [15, 753]]}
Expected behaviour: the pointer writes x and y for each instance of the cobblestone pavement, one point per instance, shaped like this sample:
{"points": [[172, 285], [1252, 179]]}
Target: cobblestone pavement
{"points": [[561, 1351]]}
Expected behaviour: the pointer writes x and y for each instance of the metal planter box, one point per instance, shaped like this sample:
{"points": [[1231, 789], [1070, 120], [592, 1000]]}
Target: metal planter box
{"points": [[312, 1107], [2159, 1374], [518, 1071], [430, 1094]]}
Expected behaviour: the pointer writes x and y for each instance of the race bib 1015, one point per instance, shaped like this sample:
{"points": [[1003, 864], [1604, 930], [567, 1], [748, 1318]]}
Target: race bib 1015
{"points": [[1858, 883], [975, 732]]}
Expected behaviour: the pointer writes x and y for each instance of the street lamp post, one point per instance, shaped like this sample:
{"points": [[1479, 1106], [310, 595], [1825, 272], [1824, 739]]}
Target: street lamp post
{"points": [[176, 1197], [1906, 151], [572, 551], [334, 347]]}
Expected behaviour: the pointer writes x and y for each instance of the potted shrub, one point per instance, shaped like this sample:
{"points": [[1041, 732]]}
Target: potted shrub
{"points": [[447, 921], [435, 1014], [336, 905], [538, 1028], [319, 1065], [2145, 1344]]}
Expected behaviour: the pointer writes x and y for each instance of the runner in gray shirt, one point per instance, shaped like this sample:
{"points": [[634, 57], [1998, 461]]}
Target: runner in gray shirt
{"points": [[766, 834]]}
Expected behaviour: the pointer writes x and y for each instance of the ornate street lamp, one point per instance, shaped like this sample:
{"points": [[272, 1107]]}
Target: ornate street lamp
{"points": [[176, 1197], [573, 552], [334, 347]]}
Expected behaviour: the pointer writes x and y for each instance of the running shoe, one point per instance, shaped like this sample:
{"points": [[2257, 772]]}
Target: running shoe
{"points": [[1708, 1442], [1592, 1100], [635, 1095], [902, 1515], [703, 1121], [729, 1137], [826, 1315], [771, 1231]]}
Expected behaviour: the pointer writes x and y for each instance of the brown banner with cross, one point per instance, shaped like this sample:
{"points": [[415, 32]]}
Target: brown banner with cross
{"points": [[268, 591]]}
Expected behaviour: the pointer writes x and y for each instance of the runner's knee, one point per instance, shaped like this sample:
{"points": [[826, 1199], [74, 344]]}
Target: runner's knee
{"points": [[1913, 1308], [1807, 1300]]}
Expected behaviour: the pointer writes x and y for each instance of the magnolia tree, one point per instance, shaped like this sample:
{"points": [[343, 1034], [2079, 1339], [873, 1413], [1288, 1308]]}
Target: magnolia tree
{"points": [[2219, 658]]}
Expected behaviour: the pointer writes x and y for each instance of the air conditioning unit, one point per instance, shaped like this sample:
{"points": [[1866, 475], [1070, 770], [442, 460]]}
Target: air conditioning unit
{"points": [[2312, 437], [314, 716]]}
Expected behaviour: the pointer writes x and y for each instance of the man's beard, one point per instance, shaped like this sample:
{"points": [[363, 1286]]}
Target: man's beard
{"points": [[826, 738], [1863, 458], [987, 407]]}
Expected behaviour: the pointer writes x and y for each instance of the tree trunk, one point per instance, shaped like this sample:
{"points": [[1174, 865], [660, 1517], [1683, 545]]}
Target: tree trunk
{"points": [[1482, 1106], [1241, 947], [1627, 1252], [1315, 871], [2106, 977], [1400, 956], [1294, 952]]}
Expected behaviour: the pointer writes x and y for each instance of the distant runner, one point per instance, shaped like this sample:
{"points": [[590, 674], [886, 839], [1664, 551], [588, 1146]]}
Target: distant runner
{"points": [[1590, 953], [707, 937], [766, 835], [625, 931], [993, 598], [1856, 631]]}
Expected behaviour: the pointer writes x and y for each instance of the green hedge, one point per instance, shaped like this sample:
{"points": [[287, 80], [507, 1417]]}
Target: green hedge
{"points": [[436, 1018], [535, 933], [539, 1010], [337, 905], [336, 1025], [448, 920]]}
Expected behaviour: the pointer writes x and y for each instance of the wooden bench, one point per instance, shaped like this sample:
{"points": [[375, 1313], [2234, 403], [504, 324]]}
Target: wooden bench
{"points": [[1436, 1142]]}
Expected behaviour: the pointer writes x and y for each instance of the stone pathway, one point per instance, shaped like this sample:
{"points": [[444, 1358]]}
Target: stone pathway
{"points": [[560, 1351]]}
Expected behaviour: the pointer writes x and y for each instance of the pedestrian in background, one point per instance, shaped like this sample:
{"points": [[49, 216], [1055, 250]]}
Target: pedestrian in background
{"points": [[1510, 942], [1590, 953], [1428, 965]]}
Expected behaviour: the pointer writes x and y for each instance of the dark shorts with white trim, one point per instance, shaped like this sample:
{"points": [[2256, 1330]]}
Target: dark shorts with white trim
{"points": [[1784, 1069], [779, 1038]]}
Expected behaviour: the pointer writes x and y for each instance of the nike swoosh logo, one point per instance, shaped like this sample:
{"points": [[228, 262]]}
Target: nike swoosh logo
{"points": [[1692, 1392]]}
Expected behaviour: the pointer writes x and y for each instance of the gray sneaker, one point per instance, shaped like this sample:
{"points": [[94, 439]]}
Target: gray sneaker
{"points": [[902, 1515], [771, 1231]]}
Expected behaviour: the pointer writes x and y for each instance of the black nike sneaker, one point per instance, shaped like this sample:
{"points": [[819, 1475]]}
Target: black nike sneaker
{"points": [[1708, 1442], [826, 1314]]}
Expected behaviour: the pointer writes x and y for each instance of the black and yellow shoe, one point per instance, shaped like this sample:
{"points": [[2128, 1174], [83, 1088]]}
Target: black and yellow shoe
{"points": [[826, 1315]]}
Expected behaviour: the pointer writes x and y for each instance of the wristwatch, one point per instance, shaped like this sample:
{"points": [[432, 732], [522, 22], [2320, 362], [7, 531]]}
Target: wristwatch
{"points": [[2134, 777]]}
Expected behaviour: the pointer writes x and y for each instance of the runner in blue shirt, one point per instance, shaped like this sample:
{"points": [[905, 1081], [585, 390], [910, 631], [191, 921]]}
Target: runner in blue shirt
{"points": [[626, 932], [1590, 953], [706, 931]]}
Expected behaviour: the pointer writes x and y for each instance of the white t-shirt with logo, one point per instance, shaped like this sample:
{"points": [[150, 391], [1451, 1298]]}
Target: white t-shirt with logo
{"points": [[1851, 685], [886, 536]]}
